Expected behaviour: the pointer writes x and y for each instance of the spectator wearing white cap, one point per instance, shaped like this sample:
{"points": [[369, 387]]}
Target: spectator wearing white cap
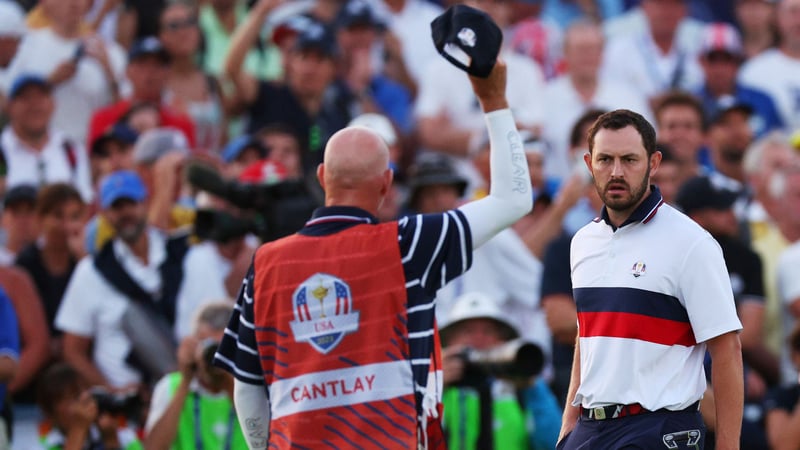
{"points": [[522, 412], [84, 69], [721, 55], [31, 150]]}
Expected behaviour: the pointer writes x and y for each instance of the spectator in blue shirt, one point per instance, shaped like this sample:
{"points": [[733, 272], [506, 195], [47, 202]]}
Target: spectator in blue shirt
{"points": [[9, 354], [721, 57]]}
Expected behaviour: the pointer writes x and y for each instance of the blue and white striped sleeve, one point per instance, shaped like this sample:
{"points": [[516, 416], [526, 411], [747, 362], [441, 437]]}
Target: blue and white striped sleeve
{"points": [[435, 248], [237, 352]]}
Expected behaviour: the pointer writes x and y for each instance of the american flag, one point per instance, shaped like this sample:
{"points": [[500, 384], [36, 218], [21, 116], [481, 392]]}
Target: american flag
{"points": [[341, 298], [302, 306]]}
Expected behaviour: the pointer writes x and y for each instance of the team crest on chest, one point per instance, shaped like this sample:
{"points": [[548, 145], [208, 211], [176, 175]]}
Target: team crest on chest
{"points": [[638, 269], [323, 312]]}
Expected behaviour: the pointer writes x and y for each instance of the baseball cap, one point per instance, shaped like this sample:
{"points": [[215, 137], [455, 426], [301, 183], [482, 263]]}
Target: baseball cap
{"points": [[377, 123], [21, 193], [721, 37], [291, 26], [155, 143], [316, 37], [12, 20], [468, 38], [727, 104], [432, 169], [701, 193], [264, 171], [25, 80], [476, 305], [148, 46], [123, 184], [240, 144], [358, 13], [119, 132]]}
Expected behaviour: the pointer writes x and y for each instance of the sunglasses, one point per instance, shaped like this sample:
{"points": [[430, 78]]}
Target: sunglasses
{"points": [[722, 57], [175, 25]]}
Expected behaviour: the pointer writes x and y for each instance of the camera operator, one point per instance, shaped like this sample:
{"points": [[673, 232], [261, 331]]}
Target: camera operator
{"points": [[77, 418], [493, 406], [192, 408]]}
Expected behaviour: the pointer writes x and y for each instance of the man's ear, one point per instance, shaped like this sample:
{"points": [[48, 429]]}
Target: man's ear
{"points": [[388, 178], [655, 162], [321, 175], [587, 159]]}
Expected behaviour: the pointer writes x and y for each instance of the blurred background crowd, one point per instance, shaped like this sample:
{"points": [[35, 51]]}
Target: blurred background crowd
{"points": [[148, 146]]}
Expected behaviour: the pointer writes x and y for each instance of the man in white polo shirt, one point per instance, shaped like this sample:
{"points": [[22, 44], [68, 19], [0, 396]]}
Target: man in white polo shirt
{"points": [[652, 294]]}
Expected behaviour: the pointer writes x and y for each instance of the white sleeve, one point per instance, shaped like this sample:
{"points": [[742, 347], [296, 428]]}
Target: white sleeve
{"points": [[159, 403], [788, 281], [510, 189], [253, 410], [76, 312]]}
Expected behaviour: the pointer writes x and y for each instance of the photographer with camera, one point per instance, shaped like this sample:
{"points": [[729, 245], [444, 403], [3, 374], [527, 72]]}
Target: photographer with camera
{"points": [[192, 408], [492, 397], [77, 418]]}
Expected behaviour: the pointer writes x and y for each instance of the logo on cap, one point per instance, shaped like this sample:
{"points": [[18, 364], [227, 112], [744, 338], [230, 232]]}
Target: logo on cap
{"points": [[467, 37], [323, 312]]}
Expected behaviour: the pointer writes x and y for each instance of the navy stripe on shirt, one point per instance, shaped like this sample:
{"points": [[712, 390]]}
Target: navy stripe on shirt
{"points": [[630, 300]]}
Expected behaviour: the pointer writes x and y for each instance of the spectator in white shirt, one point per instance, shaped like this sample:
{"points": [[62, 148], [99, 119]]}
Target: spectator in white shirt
{"points": [[581, 88], [84, 69], [32, 151], [653, 59]]}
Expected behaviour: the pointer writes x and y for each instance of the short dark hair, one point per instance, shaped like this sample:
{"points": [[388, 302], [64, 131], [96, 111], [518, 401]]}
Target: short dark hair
{"points": [[576, 136], [58, 382], [621, 118], [679, 98], [54, 195]]}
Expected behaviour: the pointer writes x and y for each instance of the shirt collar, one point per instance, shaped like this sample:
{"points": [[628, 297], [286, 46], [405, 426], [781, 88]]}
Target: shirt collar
{"points": [[330, 219], [643, 213]]}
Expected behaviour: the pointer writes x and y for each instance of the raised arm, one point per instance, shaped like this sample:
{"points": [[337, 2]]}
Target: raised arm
{"points": [[243, 39], [509, 191]]}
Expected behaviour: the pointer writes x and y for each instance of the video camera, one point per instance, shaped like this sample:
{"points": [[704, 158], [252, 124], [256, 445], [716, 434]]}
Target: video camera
{"points": [[280, 209], [127, 405], [515, 360]]}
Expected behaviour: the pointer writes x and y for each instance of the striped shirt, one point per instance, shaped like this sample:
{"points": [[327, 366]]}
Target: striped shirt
{"points": [[434, 249]]}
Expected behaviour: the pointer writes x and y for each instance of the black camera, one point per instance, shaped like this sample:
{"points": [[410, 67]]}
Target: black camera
{"points": [[117, 403], [515, 360], [208, 348], [280, 209]]}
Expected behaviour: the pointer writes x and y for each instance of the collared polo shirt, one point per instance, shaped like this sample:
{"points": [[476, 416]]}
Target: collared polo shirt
{"points": [[61, 160], [649, 294]]}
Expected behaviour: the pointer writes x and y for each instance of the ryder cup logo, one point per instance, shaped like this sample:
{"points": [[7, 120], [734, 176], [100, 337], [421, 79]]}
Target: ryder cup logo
{"points": [[323, 312], [638, 269]]}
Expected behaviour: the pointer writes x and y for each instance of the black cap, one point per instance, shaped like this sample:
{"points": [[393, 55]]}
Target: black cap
{"points": [[468, 38], [25, 80], [432, 169], [149, 46], [728, 104], [701, 193], [317, 37], [358, 13], [119, 132], [23, 193]]}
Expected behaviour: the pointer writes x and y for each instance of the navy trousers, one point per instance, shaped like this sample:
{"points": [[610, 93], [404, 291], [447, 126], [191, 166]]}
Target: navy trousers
{"points": [[655, 430]]}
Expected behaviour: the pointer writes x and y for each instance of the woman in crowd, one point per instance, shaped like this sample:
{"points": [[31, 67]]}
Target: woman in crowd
{"points": [[192, 90]]}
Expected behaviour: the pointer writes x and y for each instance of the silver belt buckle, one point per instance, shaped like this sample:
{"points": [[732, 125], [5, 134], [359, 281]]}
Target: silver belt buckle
{"points": [[599, 413]]}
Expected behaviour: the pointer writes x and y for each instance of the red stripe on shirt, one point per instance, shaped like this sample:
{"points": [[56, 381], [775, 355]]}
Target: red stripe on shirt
{"points": [[636, 326]]}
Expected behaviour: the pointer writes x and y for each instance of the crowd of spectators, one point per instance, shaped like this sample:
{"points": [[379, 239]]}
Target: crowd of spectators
{"points": [[148, 146]]}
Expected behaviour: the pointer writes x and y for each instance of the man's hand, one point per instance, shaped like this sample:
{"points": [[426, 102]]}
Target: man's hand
{"points": [[491, 91], [452, 364], [186, 357], [82, 413], [63, 72]]}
